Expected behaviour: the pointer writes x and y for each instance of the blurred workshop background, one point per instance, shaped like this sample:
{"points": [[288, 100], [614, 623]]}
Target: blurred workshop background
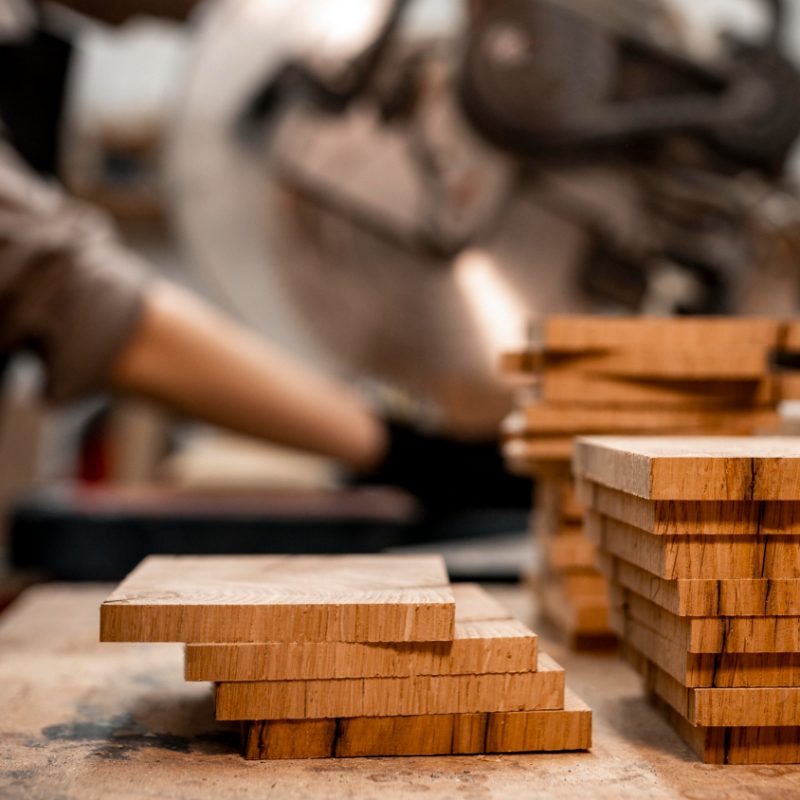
{"points": [[391, 190]]}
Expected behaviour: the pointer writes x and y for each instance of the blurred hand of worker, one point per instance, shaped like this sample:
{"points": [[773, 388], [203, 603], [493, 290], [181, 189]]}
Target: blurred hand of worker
{"points": [[72, 294], [190, 357]]}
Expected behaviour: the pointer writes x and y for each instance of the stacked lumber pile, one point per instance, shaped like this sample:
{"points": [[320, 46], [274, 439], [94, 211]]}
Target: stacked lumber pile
{"points": [[585, 375], [322, 656], [700, 538]]}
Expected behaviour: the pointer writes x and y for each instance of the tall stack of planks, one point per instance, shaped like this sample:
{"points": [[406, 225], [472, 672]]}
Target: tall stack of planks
{"points": [[583, 375], [322, 656], [700, 538]]}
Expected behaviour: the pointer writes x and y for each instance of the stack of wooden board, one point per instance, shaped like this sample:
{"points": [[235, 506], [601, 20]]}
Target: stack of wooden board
{"points": [[700, 538], [323, 656], [616, 375]]}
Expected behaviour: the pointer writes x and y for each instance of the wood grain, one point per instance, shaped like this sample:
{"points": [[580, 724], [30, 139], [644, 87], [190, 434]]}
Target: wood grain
{"points": [[732, 745], [693, 468], [487, 640], [381, 697], [688, 557], [673, 518], [438, 734], [579, 387], [709, 634], [740, 707], [718, 670], [281, 598], [553, 419], [709, 598]]}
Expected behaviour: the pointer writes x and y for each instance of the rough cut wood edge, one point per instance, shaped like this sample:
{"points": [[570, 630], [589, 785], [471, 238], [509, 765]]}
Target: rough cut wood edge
{"points": [[710, 518], [204, 599], [693, 468], [708, 598], [444, 734], [381, 697], [720, 708], [760, 745], [487, 640]]}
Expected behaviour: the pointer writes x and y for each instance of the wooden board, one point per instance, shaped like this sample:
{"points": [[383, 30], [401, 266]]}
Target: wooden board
{"points": [[672, 518], [578, 387], [556, 500], [552, 419], [758, 745], [382, 697], [566, 551], [575, 618], [438, 734], [575, 333], [530, 456], [487, 640], [693, 468], [709, 634], [718, 670], [739, 707], [689, 557], [709, 598], [281, 598]]}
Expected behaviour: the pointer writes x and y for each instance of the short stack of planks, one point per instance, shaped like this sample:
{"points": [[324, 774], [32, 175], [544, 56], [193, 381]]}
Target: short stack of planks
{"points": [[322, 656], [700, 538], [584, 375]]}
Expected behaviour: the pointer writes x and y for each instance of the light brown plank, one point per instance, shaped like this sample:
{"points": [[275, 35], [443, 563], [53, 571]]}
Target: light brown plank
{"points": [[381, 697], [717, 670], [693, 468], [281, 598], [709, 598], [437, 734], [487, 640], [710, 634], [759, 745], [750, 707], [697, 557], [579, 387], [673, 518], [554, 419]]}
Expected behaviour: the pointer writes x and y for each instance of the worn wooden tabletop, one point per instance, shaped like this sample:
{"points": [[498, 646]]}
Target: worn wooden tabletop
{"points": [[87, 720]]}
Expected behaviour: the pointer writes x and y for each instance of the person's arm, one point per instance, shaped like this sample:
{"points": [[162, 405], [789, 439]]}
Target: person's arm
{"points": [[192, 358], [71, 293]]}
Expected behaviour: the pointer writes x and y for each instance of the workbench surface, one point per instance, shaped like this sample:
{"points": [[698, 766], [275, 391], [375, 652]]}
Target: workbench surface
{"points": [[87, 720]]}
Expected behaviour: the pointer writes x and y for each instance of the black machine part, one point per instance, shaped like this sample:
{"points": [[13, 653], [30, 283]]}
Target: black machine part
{"points": [[521, 92]]}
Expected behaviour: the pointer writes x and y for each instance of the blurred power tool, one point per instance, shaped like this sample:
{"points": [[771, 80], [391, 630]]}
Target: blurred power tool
{"points": [[428, 174]]}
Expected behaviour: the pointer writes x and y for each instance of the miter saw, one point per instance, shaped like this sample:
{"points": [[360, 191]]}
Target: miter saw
{"points": [[405, 183]]}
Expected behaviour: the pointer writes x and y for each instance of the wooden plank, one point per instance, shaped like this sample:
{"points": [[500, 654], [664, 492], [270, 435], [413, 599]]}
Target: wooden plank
{"points": [[528, 456], [579, 387], [576, 333], [758, 745], [712, 635], [575, 617], [671, 518], [567, 551], [718, 670], [709, 598], [740, 707], [487, 640], [281, 598], [690, 557], [553, 419], [381, 697], [428, 735], [288, 738], [693, 468]]}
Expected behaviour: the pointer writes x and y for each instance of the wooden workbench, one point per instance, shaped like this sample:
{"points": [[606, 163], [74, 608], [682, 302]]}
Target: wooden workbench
{"points": [[87, 720]]}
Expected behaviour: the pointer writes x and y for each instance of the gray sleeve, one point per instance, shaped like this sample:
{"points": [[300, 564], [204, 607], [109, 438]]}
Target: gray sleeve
{"points": [[68, 290]]}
